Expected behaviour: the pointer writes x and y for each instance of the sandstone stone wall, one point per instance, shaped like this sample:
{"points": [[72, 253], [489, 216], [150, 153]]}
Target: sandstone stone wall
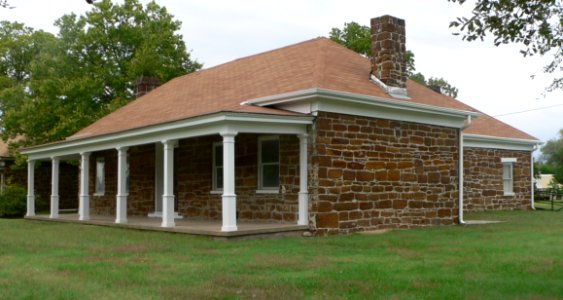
{"points": [[483, 179], [371, 173], [193, 181], [104, 204], [194, 165], [68, 183]]}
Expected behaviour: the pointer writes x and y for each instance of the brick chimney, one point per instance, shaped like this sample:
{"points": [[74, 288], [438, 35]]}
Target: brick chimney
{"points": [[436, 88], [388, 51], [145, 84]]}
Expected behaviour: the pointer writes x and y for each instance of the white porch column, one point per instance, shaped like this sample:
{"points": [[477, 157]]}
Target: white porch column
{"points": [[121, 198], [84, 204], [54, 188], [168, 196], [30, 188], [229, 197], [303, 190]]}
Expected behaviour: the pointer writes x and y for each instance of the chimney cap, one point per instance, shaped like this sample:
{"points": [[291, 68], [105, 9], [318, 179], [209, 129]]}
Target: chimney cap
{"points": [[389, 19]]}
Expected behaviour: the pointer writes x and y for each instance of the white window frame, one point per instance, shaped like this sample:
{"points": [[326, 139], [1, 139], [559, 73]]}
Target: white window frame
{"points": [[100, 189], [261, 187], [508, 177], [216, 169]]}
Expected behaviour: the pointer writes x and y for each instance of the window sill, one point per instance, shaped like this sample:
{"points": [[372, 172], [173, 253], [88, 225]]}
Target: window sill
{"points": [[509, 194], [216, 192], [276, 191], [98, 195]]}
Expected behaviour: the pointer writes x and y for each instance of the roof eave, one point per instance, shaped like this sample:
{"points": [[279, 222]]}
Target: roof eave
{"points": [[495, 142], [408, 109], [185, 128]]}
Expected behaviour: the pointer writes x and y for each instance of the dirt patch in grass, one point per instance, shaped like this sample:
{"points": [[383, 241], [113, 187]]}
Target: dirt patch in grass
{"points": [[404, 252], [267, 261], [234, 286], [540, 266], [422, 284], [131, 248]]}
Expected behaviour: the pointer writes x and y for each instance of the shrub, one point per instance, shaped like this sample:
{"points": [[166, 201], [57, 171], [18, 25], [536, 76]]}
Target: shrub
{"points": [[13, 201]]}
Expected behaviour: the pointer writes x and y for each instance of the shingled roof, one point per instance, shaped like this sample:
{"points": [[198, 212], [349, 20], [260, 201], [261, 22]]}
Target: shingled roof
{"points": [[317, 63]]}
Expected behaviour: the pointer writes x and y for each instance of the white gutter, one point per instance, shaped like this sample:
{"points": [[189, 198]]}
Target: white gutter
{"points": [[312, 93], [461, 170], [494, 142]]}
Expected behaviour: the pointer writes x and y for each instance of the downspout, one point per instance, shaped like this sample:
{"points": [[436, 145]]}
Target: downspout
{"points": [[460, 168], [532, 176]]}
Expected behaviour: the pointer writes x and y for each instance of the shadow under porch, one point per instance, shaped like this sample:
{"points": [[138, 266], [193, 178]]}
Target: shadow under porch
{"points": [[196, 196], [185, 226]]}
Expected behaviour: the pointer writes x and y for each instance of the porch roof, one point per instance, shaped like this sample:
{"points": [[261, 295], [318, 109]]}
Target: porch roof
{"points": [[215, 123]]}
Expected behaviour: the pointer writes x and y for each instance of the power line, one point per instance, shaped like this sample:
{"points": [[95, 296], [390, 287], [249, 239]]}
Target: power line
{"points": [[533, 109]]}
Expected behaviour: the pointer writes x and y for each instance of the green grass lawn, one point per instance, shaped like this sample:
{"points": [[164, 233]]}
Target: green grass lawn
{"points": [[546, 204], [519, 259]]}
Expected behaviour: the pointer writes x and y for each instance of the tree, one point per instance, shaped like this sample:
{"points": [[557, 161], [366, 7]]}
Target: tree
{"points": [[552, 156], [353, 36], [357, 37], [445, 87], [19, 47], [89, 69], [5, 4], [534, 24]]}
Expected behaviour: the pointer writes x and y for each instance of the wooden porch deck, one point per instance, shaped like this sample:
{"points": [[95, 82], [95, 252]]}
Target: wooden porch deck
{"points": [[185, 226]]}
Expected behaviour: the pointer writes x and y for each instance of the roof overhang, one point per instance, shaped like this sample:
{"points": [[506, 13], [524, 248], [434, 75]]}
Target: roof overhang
{"points": [[493, 142], [216, 123], [316, 99]]}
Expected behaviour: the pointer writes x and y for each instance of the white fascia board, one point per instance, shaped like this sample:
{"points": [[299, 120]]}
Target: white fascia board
{"points": [[369, 106], [193, 127], [493, 142], [389, 113]]}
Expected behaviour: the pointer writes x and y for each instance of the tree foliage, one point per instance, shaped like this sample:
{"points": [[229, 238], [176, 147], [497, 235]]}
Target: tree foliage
{"points": [[552, 156], [445, 87], [357, 37], [353, 36], [536, 25], [5, 4], [59, 84]]}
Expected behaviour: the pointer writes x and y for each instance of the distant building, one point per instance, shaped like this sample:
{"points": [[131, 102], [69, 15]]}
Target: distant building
{"points": [[542, 182]]}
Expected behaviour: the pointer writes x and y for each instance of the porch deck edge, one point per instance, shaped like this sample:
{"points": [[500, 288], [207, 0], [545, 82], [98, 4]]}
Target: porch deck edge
{"points": [[283, 228]]}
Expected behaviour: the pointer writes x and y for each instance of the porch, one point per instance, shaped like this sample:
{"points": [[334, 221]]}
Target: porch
{"points": [[187, 170], [183, 226]]}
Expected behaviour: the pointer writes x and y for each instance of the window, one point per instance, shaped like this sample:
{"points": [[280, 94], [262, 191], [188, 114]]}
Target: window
{"points": [[217, 166], [100, 177], [507, 175], [268, 163]]}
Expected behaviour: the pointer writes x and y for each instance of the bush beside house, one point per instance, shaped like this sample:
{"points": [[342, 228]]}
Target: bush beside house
{"points": [[13, 201]]}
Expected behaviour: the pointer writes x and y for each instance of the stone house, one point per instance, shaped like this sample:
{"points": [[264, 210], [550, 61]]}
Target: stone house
{"points": [[312, 134]]}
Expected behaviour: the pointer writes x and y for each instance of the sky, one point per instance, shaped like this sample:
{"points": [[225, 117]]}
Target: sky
{"points": [[495, 80]]}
